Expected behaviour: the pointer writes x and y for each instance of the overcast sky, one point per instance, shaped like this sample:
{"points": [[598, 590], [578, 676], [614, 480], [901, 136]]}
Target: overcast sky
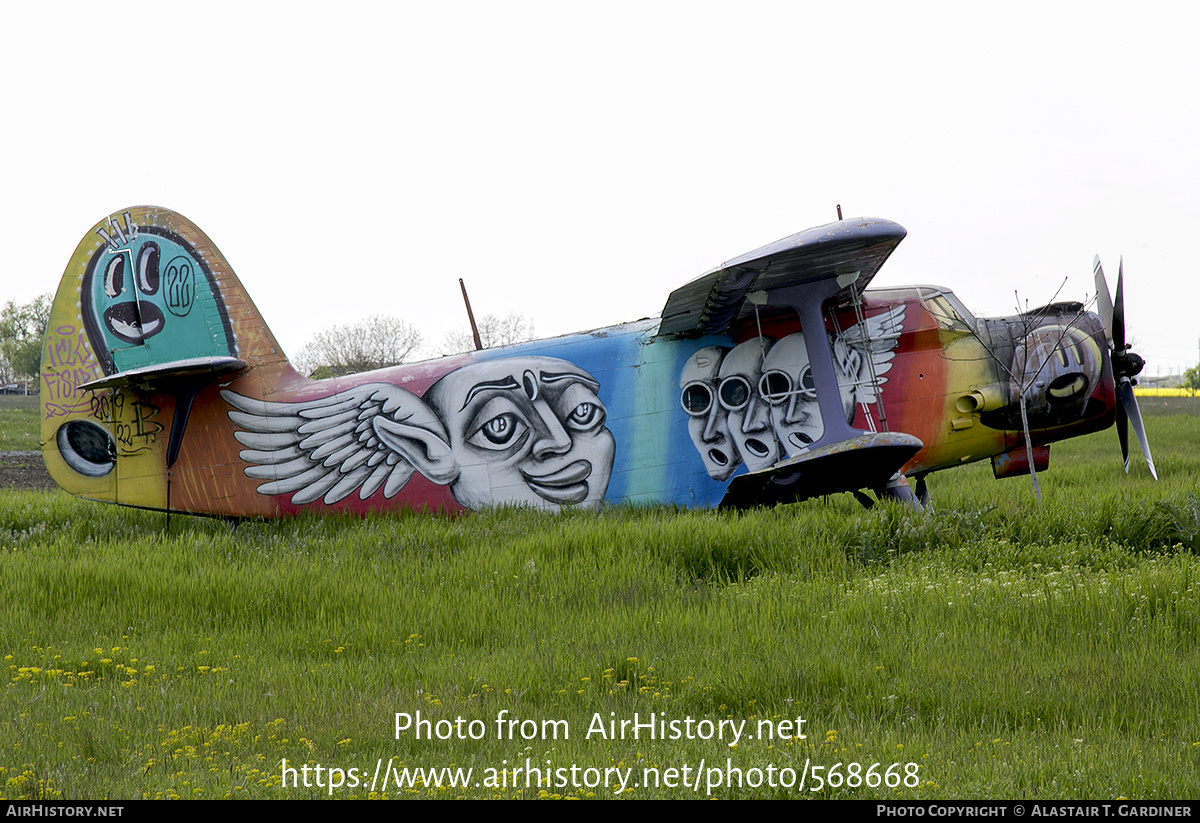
{"points": [[576, 163]]}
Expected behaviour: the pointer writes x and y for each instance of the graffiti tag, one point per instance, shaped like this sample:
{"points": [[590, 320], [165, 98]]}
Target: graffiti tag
{"points": [[181, 286], [70, 364], [133, 422]]}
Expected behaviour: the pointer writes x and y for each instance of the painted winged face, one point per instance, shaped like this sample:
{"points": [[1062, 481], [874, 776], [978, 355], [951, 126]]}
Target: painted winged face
{"points": [[525, 430]]}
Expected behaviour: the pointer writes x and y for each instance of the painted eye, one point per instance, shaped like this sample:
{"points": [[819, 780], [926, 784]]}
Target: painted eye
{"points": [[87, 448], [499, 432], [500, 429], [586, 416], [775, 387], [734, 392], [808, 386], [147, 268], [696, 399], [114, 277]]}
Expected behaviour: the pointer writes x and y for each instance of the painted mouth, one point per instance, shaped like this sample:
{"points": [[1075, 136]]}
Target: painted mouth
{"points": [[757, 447], [124, 322], [800, 440], [718, 457], [565, 486]]}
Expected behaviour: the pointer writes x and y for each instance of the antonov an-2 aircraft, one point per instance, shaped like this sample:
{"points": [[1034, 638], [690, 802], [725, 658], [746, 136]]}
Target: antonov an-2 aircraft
{"points": [[773, 378]]}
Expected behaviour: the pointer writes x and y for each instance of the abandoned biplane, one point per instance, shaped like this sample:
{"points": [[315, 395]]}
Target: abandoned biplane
{"points": [[773, 378]]}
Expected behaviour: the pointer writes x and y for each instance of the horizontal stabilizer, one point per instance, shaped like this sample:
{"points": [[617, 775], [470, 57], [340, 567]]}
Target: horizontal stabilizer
{"points": [[850, 251], [193, 369]]}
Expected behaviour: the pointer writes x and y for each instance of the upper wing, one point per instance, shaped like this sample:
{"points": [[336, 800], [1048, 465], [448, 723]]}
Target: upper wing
{"points": [[331, 446], [850, 250]]}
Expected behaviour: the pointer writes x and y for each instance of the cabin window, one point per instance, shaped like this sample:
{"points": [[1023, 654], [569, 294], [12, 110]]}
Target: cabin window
{"points": [[949, 312]]}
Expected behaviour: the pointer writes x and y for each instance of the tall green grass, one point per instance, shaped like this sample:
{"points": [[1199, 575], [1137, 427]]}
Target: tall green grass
{"points": [[1008, 650], [19, 425]]}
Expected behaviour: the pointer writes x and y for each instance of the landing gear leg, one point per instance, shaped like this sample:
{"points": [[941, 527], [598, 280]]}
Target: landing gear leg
{"points": [[898, 489]]}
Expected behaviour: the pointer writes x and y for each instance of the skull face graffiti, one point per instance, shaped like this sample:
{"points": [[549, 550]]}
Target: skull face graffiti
{"points": [[707, 423], [748, 415], [787, 385], [148, 298], [760, 397]]}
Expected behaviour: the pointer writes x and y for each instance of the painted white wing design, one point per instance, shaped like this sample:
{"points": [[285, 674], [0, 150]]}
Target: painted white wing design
{"points": [[875, 340], [333, 445]]}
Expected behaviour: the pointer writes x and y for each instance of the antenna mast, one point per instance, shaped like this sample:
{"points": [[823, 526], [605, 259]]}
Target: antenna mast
{"points": [[470, 316]]}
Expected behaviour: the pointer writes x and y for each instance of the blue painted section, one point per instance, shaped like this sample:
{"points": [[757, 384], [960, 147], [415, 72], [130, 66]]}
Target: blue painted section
{"points": [[655, 459]]}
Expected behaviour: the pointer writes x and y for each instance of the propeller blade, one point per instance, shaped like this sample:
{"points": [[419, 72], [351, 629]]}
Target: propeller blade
{"points": [[1118, 316], [1130, 407], [1104, 304], [1123, 429], [1125, 363]]}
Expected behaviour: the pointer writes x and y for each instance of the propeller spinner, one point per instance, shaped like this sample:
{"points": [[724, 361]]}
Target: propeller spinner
{"points": [[1126, 364]]}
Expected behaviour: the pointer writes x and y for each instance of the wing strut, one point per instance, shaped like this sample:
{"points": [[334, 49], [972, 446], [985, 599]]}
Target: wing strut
{"points": [[808, 300], [862, 324]]}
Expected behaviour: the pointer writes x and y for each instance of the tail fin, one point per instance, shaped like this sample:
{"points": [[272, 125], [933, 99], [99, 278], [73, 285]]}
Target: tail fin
{"points": [[148, 313]]}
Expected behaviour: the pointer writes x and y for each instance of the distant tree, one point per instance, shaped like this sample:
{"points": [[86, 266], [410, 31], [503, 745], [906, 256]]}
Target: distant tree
{"points": [[22, 328], [374, 343], [493, 332], [1191, 378]]}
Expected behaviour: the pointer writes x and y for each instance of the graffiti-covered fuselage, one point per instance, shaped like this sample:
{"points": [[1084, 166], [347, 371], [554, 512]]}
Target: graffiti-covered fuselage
{"points": [[171, 393]]}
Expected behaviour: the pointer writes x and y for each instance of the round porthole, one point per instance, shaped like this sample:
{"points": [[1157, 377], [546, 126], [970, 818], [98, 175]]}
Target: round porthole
{"points": [[87, 448]]}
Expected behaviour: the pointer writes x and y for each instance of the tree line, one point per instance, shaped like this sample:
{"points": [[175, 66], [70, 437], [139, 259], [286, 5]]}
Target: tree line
{"points": [[22, 328], [381, 341]]}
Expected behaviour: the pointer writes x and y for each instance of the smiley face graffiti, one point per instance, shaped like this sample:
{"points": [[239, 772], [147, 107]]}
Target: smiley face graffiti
{"points": [[148, 297]]}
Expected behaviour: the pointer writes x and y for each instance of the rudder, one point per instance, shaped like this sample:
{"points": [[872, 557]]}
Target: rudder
{"points": [[148, 314]]}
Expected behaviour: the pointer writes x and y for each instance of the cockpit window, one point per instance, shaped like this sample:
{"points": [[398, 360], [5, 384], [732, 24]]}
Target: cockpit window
{"points": [[949, 312]]}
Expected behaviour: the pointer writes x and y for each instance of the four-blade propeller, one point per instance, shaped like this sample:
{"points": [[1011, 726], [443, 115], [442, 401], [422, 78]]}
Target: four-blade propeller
{"points": [[1126, 364]]}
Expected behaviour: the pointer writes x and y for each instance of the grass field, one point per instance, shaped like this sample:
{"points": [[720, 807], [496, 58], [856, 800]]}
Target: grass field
{"points": [[18, 422], [990, 648]]}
